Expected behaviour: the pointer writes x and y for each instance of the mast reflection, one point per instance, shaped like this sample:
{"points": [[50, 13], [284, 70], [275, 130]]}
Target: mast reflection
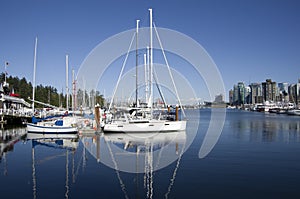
{"points": [[139, 153], [62, 142]]}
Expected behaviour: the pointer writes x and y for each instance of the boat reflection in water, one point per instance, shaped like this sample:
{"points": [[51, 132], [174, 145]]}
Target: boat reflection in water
{"points": [[8, 138], [62, 145], [71, 139], [138, 153]]}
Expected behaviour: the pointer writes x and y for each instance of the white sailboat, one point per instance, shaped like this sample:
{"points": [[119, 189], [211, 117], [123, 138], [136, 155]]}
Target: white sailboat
{"points": [[63, 125], [140, 119], [60, 124]]}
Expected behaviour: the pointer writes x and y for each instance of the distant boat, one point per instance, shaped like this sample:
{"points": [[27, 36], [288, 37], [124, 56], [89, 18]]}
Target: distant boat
{"points": [[293, 112], [65, 125], [267, 106], [142, 119]]}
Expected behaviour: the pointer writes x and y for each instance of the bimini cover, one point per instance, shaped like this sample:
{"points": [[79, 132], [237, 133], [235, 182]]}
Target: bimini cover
{"points": [[35, 120], [58, 122]]}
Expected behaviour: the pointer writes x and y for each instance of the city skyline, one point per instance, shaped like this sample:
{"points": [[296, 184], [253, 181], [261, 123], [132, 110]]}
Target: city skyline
{"points": [[248, 40], [260, 92]]}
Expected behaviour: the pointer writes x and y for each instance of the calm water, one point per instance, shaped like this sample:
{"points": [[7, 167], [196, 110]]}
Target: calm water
{"points": [[256, 156]]}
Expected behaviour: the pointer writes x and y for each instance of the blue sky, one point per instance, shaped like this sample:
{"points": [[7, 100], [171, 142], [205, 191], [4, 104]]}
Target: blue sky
{"points": [[249, 40]]}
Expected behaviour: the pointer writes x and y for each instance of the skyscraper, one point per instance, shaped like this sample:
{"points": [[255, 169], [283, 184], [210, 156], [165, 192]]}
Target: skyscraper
{"points": [[283, 89], [269, 90], [256, 93], [241, 94]]}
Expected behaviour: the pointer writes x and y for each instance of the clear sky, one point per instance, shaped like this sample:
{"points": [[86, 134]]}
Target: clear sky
{"points": [[249, 40]]}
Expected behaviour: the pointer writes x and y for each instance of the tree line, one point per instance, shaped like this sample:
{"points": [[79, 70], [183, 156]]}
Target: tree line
{"points": [[49, 94]]}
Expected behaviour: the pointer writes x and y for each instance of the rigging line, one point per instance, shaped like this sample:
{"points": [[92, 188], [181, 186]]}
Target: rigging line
{"points": [[158, 86], [167, 63], [78, 166], [175, 172], [117, 171], [121, 72]]}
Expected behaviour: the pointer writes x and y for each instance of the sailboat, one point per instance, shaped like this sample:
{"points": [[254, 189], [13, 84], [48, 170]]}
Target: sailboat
{"points": [[59, 124], [142, 119]]}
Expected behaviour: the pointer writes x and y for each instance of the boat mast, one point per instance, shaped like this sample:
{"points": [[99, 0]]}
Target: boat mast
{"points": [[34, 69], [136, 61], [74, 101], [146, 79], [67, 81], [148, 76], [151, 62]]}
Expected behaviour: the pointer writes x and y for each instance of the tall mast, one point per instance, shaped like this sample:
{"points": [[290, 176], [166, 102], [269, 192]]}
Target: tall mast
{"points": [[34, 69], [136, 61], [146, 79], [148, 76], [67, 82], [73, 91], [151, 62]]}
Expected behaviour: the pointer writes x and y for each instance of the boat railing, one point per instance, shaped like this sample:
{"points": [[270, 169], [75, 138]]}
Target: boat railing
{"points": [[13, 112]]}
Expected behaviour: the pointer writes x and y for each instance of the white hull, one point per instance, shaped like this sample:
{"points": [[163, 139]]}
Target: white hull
{"points": [[151, 126], [293, 112], [37, 136], [144, 138], [33, 128]]}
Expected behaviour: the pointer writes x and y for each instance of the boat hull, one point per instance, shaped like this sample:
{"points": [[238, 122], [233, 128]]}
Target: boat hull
{"points": [[38, 136], [293, 112], [151, 126], [33, 128]]}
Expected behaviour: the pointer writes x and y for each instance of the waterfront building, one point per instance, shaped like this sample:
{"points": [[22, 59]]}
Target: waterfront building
{"points": [[219, 99], [283, 90], [231, 96], [294, 90], [239, 94], [256, 93], [235, 95], [241, 90], [269, 90], [247, 92]]}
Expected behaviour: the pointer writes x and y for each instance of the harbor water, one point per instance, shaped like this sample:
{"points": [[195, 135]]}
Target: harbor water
{"points": [[256, 156]]}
